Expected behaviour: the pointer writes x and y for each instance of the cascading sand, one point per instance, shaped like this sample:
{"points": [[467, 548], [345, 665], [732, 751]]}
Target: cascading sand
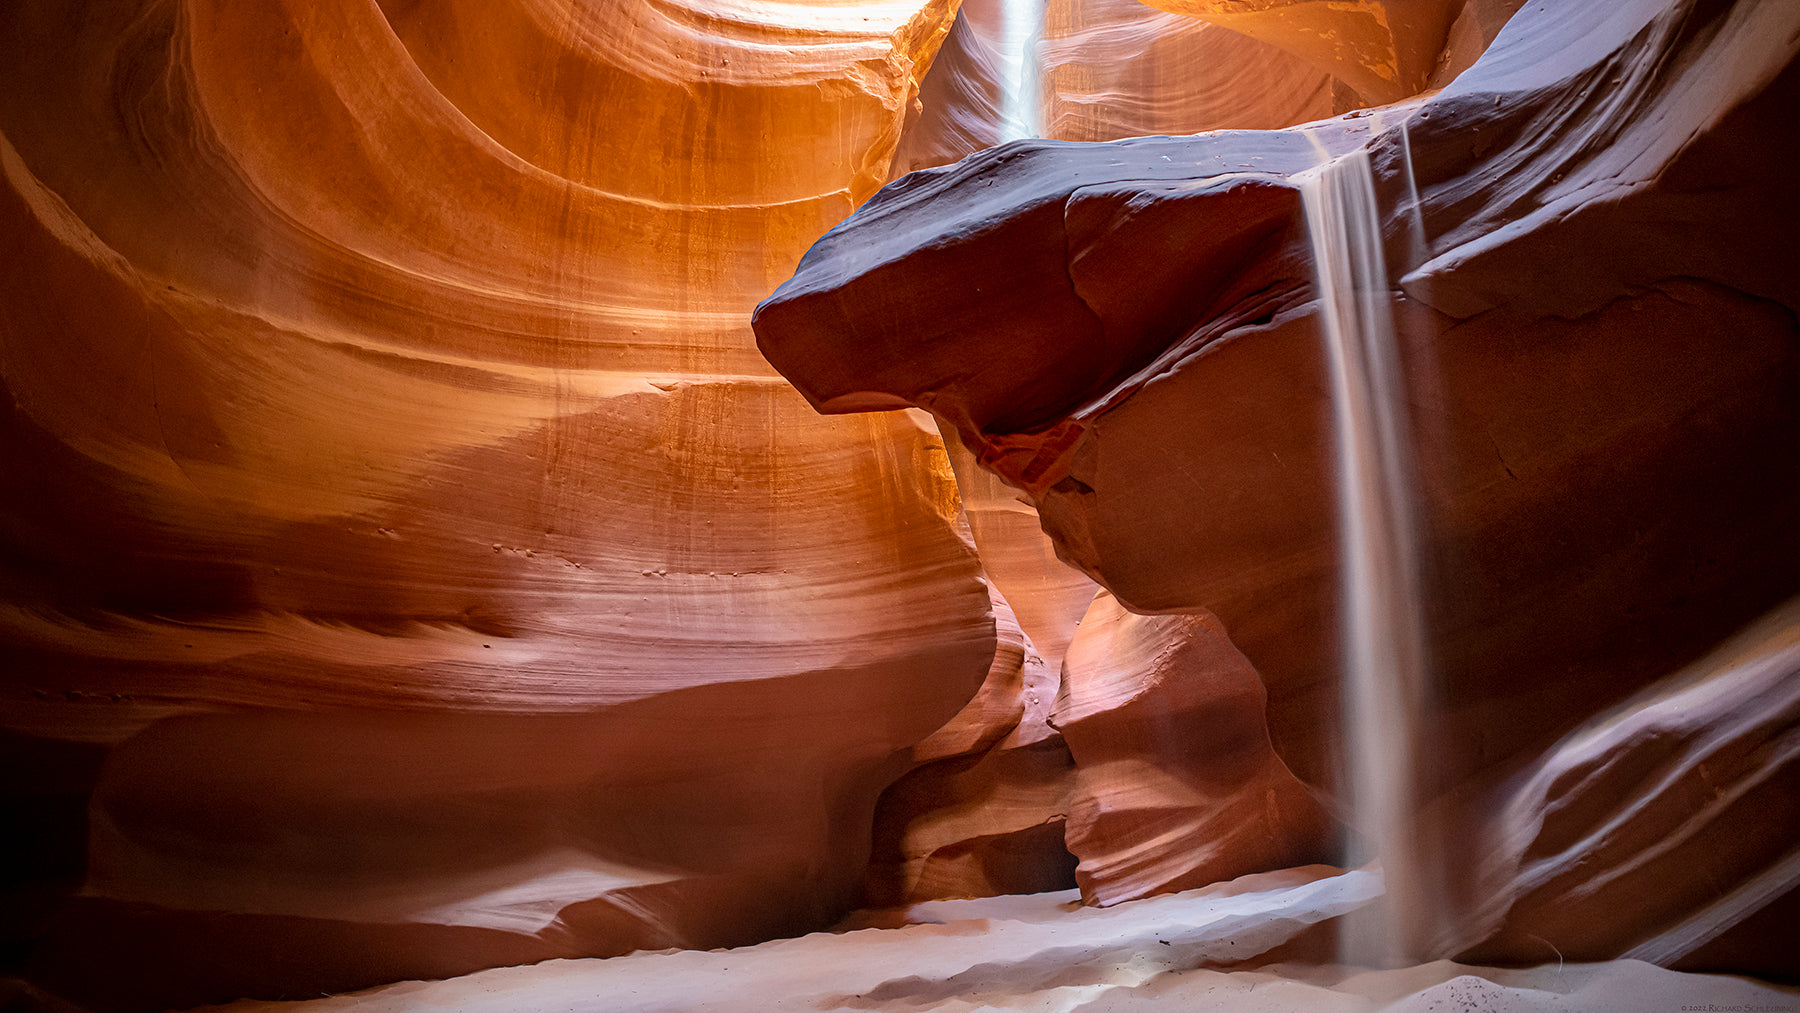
{"points": [[1382, 626]]}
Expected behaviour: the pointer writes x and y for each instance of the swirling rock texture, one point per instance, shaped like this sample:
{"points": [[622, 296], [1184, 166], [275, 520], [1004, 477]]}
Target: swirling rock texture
{"points": [[960, 99], [1116, 68], [405, 545], [1588, 244], [1384, 49], [1176, 784], [983, 810], [985, 813], [411, 565], [1105, 69]]}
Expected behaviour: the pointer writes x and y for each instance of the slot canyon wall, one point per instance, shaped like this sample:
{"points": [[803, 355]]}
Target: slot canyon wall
{"points": [[1588, 239], [413, 565]]}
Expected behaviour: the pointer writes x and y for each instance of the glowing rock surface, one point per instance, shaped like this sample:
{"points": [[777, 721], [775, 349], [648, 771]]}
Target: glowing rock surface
{"points": [[1385, 49], [1116, 68], [401, 526]]}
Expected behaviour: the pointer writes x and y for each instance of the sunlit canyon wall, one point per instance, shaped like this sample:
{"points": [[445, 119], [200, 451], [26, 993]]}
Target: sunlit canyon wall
{"points": [[412, 564]]}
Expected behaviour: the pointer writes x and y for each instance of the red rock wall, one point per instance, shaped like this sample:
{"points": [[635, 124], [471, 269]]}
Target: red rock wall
{"points": [[1588, 239], [412, 565], [401, 533], [1176, 784]]}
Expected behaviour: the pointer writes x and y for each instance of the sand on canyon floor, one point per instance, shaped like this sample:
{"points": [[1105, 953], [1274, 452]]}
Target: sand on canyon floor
{"points": [[1045, 952]]}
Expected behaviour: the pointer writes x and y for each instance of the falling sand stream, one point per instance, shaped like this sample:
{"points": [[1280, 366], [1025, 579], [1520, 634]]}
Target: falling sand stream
{"points": [[1381, 628]]}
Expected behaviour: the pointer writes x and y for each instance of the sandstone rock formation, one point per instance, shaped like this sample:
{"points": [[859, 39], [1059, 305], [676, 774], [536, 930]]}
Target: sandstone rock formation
{"points": [[404, 543], [1597, 843], [1587, 242], [963, 827], [1176, 784], [960, 99], [1384, 49], [1116, 68], [983, 810], [409, 563]]}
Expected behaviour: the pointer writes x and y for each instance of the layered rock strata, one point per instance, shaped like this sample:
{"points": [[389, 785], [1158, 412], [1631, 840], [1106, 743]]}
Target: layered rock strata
{"points": [[1117, 68], [1586, 239], [983, 810], [1384, 49], [1596, 842], [404, 542], [1176, 784]]}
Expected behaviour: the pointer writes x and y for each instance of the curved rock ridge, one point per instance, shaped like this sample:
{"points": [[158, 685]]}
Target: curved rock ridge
{"points": [[404, 541], [1583, 849], [1385, 49], [960, 98], [1587, 239], [1176, 783], [983, 811], [494, 125], [979, 824], [1106, 69], [1047, 596], [1117, 68]]}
